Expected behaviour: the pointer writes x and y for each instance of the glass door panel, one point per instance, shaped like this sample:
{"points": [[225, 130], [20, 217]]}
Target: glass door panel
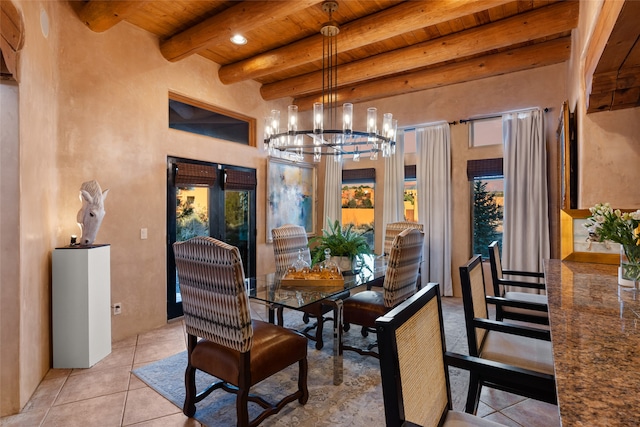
{"points": [[236, 222], [192, 217]]}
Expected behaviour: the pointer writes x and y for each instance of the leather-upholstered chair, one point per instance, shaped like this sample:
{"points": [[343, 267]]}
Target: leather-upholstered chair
{"points": [[414, 365], [529, 307], [520, 346], [400, 282], [238, 350], [288, 241]]}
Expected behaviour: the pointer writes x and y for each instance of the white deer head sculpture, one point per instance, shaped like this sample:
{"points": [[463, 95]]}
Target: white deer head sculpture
{"points": [[92, 211]]}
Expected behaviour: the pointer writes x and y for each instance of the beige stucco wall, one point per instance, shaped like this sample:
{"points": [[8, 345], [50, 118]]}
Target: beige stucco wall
{"points": [[10, 236], [94, 106], [609, 141], [610, 159], [35, 195]]}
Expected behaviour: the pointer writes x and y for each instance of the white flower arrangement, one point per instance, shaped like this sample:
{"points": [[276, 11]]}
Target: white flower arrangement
{"points": [[608, 224]]}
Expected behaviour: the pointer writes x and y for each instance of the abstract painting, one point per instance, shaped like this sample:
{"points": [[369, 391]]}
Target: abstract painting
{"points": [[291, 197]]}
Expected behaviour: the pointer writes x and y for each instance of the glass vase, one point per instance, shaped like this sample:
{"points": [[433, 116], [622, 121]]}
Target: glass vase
{"points": [[629, 274]]}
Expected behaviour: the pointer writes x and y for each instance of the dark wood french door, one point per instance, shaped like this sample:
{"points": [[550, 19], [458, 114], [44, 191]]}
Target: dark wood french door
{"points": [[208, 199]]}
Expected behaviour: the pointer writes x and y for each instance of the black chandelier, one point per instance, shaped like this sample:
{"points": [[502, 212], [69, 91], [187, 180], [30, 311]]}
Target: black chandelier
{"points": [[330, 142]]}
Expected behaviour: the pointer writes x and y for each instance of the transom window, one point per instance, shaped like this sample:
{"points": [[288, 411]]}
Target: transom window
{"points": [[485, 132], [200, 118]]}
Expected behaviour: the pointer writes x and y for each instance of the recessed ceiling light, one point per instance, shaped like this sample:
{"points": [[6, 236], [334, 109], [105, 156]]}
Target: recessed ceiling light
{"points": [[238, 39]]}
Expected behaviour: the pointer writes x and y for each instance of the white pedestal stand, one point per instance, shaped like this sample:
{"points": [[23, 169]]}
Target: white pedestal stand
{"points": [[81, 303]]}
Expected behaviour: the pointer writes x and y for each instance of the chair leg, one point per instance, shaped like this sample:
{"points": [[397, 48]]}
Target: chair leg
{"points": [[302, 381], [319, 328], [189, 408], [280, 312], [244, 384], [473, 396], [242, 409]]}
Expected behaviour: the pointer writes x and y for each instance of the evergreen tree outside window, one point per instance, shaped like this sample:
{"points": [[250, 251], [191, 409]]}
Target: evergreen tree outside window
{"points": [[487, 214], [487, 186]]}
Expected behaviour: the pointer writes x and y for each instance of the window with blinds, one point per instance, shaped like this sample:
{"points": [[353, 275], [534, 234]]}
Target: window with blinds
{"points": [[194, 175]]}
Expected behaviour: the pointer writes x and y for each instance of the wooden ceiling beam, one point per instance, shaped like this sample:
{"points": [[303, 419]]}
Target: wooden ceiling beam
{"points": [[615, 90], [240, 18], [539, 23], [100, 15], [615, 82], [538, 55], [11, 36], [400, 19], [626, 98]]}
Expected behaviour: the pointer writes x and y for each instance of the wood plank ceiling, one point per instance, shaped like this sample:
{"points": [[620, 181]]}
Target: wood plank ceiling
{"points": [[386, 47]]}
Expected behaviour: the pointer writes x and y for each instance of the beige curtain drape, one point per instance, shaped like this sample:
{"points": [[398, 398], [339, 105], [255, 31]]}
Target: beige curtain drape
{"points": [[332, 191], [393, 185], [525, 242], [433, 176]]}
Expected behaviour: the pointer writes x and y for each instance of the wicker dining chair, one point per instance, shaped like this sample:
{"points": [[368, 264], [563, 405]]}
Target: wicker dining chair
{"points": [[233, 347], [414, 365], [534, 307], [288, 241], [524, 347]]}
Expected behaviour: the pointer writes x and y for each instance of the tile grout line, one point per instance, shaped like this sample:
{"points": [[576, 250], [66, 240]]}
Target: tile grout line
{"points": [[53, 402], [126, 396]]}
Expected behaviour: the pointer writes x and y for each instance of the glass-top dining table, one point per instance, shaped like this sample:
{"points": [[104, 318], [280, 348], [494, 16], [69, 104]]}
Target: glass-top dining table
{"points": [[269, 288]]}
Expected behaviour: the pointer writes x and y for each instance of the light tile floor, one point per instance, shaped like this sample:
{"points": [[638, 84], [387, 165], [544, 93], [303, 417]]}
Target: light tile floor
{"points": [[108, 394]]}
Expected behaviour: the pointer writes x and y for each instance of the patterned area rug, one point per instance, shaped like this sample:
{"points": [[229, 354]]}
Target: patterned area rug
{"points": [[355, 402]]}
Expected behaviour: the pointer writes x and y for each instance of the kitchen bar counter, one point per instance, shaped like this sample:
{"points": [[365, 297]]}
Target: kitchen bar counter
{"points": [[595, 332]]}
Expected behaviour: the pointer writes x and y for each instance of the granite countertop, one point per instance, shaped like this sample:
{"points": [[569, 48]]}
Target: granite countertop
{"points": [[595, 332]]}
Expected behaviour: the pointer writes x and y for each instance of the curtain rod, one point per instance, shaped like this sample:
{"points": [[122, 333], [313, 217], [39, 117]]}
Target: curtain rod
{"points": [[495, 116], [424, 125]]}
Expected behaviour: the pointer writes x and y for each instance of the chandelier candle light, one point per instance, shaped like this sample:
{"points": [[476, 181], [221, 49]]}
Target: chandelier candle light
{"points": [[330, 142]]}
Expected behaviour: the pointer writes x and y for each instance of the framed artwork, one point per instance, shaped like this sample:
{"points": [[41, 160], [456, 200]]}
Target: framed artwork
{"points": [[568, 144], [575, 244], [291, 195]]}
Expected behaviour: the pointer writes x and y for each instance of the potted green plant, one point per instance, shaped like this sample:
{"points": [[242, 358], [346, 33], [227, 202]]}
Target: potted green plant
{"points": [[342, 242]]}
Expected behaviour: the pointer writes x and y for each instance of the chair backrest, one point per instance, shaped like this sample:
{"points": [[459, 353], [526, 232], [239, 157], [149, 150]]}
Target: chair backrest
{"points": [[403, 266], [287, 241], [496, 267], [393, 229], [214, 298], [474, 301], [415, 379]]}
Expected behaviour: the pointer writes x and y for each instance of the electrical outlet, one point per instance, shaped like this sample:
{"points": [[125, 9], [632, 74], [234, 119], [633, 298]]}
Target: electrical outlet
{"points": [[117, 308], [143, 233]]}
